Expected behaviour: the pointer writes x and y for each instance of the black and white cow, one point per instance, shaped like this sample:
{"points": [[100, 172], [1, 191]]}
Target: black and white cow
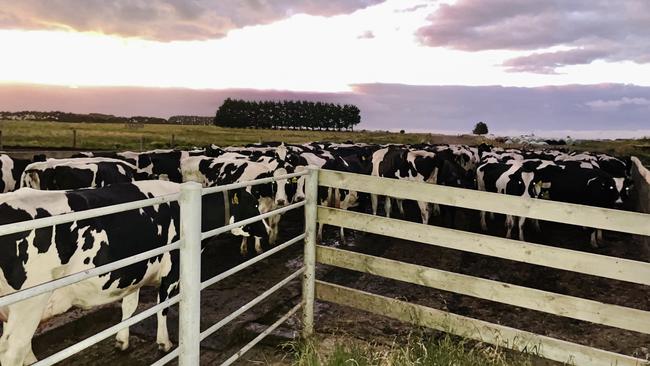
{"points": [[400, 163], [343, 199], [162, 164], [514, 177], [37, 256], [212, 172], [10, 171], [62, 174]]}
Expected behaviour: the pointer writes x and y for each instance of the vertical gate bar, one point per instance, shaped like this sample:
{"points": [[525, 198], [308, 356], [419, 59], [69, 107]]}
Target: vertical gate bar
{"points": [[309, 279], [189, 328]]}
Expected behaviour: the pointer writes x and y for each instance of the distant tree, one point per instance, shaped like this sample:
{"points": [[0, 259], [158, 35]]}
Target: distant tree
{"points": [[402, 132], [480, 129]]}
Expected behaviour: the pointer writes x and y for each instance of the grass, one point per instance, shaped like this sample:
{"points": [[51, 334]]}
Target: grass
{"points": [[115, 136], [442, 350]]}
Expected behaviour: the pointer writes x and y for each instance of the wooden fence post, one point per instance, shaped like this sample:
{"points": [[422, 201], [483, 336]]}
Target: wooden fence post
{"points": [[309, 279], [189, 309], [1, 145], [173, 142], [141, 143], [74, 138]]}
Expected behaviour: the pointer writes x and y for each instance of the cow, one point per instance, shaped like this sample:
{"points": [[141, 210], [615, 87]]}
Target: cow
{"points": [[581, 185], [10, 171], [37, 256], [62, 174], [212, 172], [400, 163], [452, 174], [334, 197], [513, 177], [162, 164]]}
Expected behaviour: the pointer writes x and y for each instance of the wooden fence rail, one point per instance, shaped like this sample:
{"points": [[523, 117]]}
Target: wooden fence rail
{"points": [[511, 338], [552, 303], [567, 213]]}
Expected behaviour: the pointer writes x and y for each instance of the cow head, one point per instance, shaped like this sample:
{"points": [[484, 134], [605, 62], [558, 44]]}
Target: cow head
{"points": [[347, 199], [299, 182], [244, 205], [541, 190], [282, 185], [31, 179]]}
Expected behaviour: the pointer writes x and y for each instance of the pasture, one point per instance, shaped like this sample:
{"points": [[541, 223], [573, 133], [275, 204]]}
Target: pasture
{"points": [[111, 136]]}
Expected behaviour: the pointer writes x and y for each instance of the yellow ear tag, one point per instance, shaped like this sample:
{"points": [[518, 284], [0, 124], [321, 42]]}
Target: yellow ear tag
{"points": [[235, 199], [294, 180]]}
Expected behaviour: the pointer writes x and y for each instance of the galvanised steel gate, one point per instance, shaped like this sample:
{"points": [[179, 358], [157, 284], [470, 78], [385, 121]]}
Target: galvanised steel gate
{"points": [[190, 285]]}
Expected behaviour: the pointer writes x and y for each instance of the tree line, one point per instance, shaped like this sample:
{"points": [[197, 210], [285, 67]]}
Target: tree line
{"points": [[287, 114], [57, 116]]}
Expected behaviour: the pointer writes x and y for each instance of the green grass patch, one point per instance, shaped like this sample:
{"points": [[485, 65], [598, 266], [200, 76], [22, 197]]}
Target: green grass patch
{"points": [[441, 350]]}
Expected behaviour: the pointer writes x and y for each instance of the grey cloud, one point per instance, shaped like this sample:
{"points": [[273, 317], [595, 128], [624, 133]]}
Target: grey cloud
{"points": [[366, 35], [164, 20], [606, 30], [606, 107]]}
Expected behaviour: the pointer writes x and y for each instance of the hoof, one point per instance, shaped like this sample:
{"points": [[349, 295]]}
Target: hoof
{"points": [[121, 345], [165, 347]]}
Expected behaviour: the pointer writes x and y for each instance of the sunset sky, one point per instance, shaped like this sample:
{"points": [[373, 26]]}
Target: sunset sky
{"points": [[579, 65]]}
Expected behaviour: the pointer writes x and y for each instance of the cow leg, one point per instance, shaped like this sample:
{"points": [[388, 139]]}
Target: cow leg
{"points": [[483, 221], [162, 334], [536, 224], [522, 220], [424, 211], [400, 207], [320, 232], [164, 293], [16, 340], [258, 245], [599, 235], [129, 305], [510, 223], [342, 235], [243, 247], [373, 201], [436, 209], [31, 357], [387, 206], [594, 239]]}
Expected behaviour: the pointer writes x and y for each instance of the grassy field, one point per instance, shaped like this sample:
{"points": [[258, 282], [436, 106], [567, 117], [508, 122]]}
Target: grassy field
{"points": [[100, 136], [119, 137], [443, 350]]}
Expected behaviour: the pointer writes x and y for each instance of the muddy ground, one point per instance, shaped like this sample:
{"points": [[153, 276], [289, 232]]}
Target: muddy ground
{"points": [[228, 295]]}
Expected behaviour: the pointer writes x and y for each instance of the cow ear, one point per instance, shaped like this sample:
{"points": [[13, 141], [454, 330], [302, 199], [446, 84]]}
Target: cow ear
{"points": [[235, 199]]}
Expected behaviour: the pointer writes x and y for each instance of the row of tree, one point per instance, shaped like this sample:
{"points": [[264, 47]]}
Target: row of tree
{"points": [[287, 114], [58, 116]]}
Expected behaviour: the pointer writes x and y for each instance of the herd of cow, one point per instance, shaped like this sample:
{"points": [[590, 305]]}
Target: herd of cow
{"points": [[47, 187]]}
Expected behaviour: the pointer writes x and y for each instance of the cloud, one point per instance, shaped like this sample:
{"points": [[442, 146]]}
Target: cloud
{"points": [[620, 109], [591, 30], [366, 35], [163, 20], [412, 8], [615, 104]]}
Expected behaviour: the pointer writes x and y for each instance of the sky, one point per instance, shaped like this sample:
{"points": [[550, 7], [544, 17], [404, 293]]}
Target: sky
{"points": [[549, 67]]}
